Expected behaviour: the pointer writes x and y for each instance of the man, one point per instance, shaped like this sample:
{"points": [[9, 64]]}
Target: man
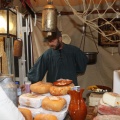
{"points": [[60, 61]]}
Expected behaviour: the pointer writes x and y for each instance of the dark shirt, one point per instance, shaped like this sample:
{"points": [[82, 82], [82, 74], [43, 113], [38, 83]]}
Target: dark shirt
{"points": [[65, 63]]}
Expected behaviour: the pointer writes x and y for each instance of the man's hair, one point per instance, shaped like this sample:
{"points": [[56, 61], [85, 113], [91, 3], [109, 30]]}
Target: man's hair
{"points": [[53, 36]]}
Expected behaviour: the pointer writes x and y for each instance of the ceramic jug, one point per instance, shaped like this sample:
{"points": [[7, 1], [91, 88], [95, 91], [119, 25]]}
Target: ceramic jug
{"points": [[77, 108]]}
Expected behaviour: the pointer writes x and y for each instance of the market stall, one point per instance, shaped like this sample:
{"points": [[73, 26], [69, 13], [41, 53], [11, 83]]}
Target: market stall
{"points": [[90, 25]]}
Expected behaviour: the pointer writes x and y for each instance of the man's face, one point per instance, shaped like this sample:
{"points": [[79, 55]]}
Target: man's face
{"points": [[55, 43]]}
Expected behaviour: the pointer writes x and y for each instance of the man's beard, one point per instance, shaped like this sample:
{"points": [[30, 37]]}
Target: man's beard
{"points": [[58, 46]]}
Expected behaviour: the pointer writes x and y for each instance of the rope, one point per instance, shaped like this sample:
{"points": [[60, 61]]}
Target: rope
{"points": [[91, 23]]}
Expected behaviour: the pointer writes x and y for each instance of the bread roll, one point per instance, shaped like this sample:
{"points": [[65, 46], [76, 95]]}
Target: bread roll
{"points": [[45, 117], [60, 90], [40, 87], [26, 113], [53, 103], [112, 99]]}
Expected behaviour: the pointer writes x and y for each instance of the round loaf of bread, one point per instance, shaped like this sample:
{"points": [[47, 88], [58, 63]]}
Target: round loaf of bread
{"points": [[26, 113], [41, 87], [53, 103], [60, 90], [45, 117]]}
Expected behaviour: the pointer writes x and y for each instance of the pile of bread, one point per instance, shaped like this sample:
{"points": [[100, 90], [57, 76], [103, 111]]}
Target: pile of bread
{"points": [[45, 102], [109, 107]]}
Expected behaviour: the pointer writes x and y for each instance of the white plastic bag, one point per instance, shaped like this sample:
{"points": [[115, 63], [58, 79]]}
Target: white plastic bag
{"points": [[8, 111]]}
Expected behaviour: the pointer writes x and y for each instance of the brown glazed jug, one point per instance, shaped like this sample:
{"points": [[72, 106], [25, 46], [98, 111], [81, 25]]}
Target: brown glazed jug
{"points": [[77, 108]]}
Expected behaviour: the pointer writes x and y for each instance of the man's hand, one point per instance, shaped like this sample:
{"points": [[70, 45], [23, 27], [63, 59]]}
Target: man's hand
{"points": [[22, 88]]}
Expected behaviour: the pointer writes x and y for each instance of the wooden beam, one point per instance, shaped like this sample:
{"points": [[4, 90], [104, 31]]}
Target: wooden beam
{"points": [[94, 12]]}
